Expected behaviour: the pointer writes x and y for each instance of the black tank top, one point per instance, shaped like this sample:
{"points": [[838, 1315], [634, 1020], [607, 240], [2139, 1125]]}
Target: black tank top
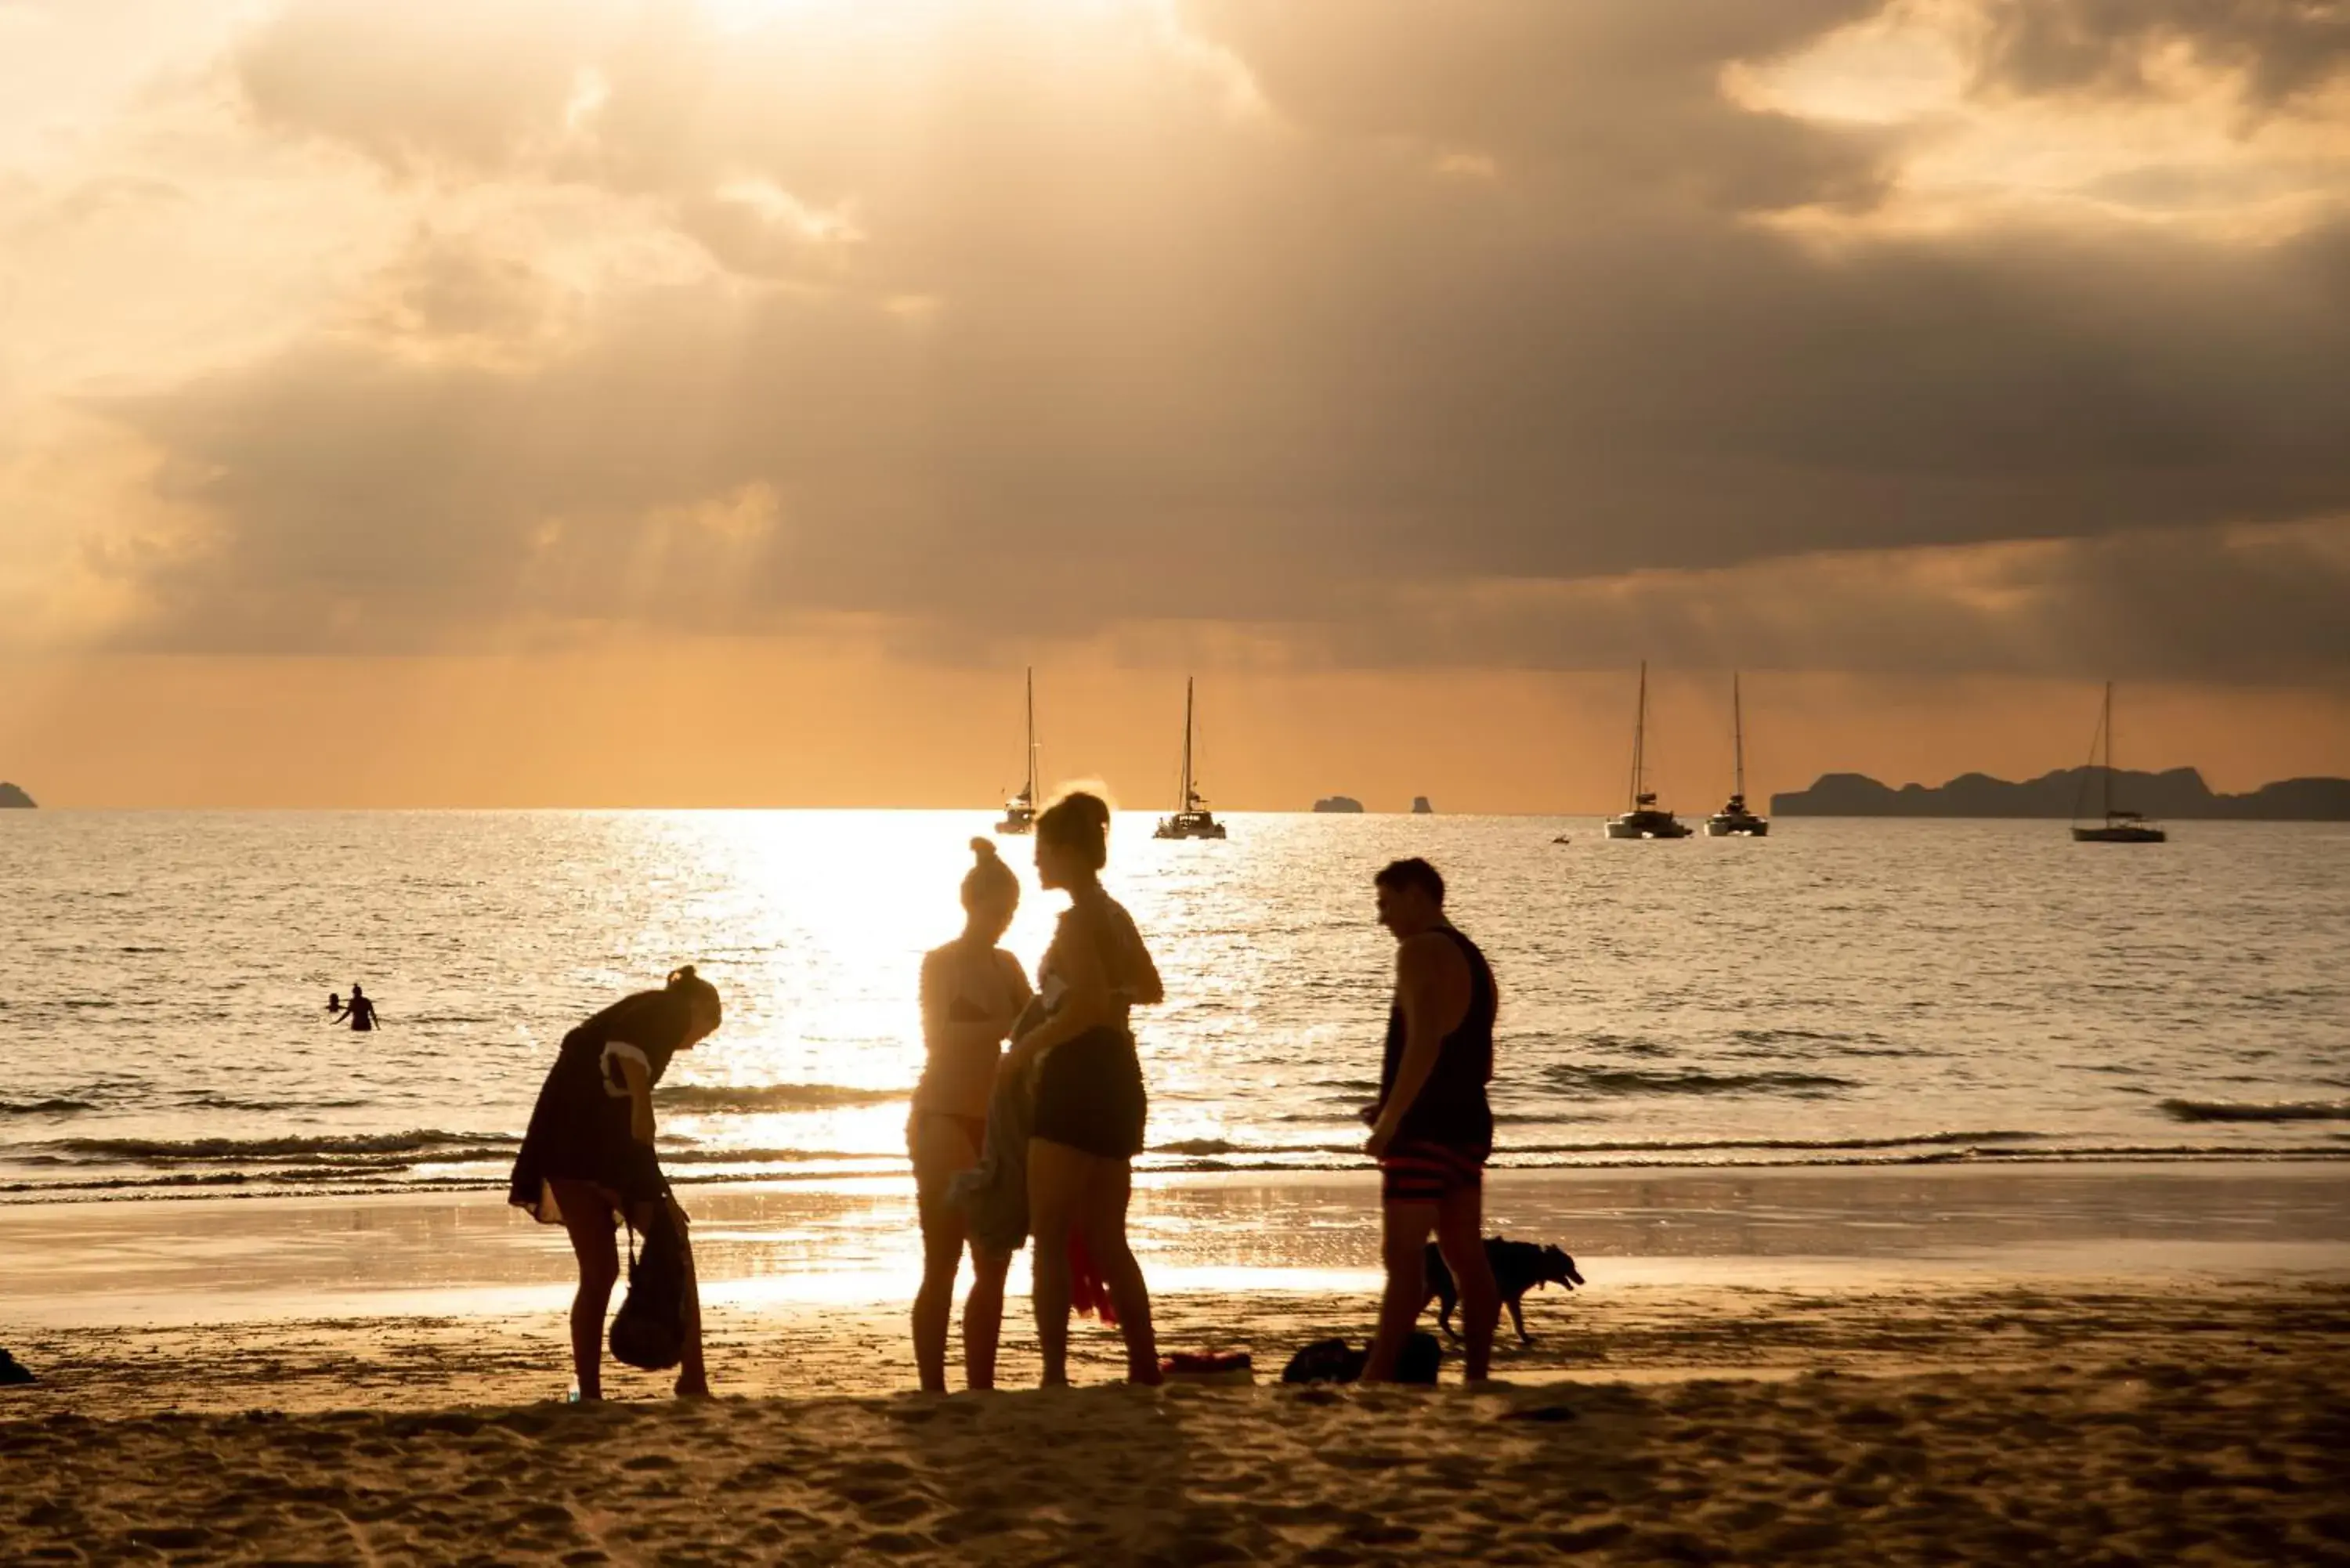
{"points": [[1450, 1108]]}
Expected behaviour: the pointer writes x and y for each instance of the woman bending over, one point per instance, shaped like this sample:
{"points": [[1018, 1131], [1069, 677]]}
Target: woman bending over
{"points": [[588, 1158]]}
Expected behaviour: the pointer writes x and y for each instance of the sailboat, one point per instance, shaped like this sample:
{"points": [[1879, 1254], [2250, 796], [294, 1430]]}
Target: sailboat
{"points": [[1020, 811], [1733, 820], [1647, 819], [2120, 826], [1192, 819]]}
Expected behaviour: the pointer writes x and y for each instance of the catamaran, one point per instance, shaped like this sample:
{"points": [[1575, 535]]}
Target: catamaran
{"points": [[2120, 826], [1020, 811], [1647, 819], [1733, 820], [1192, 819]]}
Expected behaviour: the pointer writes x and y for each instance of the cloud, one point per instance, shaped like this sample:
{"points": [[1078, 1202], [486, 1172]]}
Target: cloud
{"points": [[2276, 50], [1398, 332]]}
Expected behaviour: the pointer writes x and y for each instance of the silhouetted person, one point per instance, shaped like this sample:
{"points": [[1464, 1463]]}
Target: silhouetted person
{"points": [[334, 1007], [1432, 1130], [588, 1156], [1089, 1099], [359, 1010], [972, 990]]}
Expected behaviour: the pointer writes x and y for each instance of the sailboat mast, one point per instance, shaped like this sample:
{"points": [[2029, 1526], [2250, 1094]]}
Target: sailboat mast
{"points": [[1187, 742], [1737, 741], [2106, 774], [1639, 734], [1030, 793]]}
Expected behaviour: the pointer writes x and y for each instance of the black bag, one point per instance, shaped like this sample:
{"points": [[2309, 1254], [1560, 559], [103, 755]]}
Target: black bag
{"points": [[648, 1331], [1335, 1361]]}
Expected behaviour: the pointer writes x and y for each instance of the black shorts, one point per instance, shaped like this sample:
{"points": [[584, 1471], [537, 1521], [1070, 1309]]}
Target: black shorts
{"points": [[1089, 1095]]}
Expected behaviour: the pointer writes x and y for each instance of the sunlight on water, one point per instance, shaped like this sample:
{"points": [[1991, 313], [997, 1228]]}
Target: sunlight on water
{"points": [[1844, 990]]}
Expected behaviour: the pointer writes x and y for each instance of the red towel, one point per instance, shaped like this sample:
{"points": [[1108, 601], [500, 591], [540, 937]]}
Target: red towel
{"points": [[1089, 1292]]}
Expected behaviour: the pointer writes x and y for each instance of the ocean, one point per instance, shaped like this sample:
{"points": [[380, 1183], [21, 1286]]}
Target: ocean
{"points": [[1844, 993]]}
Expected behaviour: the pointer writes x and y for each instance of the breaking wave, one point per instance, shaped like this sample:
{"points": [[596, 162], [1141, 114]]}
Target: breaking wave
{"points": [[428, 1141]]}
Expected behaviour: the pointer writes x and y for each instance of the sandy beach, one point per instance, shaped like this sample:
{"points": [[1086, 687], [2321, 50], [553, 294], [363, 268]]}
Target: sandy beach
{"points": [[2178, 1396], [2210, 1425]]}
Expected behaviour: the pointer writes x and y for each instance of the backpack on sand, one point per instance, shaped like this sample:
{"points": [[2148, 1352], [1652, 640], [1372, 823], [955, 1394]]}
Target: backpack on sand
{"points": [[1335, 1361], [648, 1331]]}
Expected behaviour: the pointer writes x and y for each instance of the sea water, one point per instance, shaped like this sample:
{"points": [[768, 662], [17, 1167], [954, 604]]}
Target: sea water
{"points": [[1842, 991]]}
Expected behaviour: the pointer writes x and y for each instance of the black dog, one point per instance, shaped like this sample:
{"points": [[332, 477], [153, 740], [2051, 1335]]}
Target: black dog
{"points": [[1518, 1267]]}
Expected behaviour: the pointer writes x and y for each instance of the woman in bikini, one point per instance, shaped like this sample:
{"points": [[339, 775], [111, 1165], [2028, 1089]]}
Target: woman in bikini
{"points": [[1090, 1103], [972, 990], [588, 1156]]}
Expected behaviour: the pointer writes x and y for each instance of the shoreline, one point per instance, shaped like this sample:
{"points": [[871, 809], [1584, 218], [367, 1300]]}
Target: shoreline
{"points": [[2110, 1365], [260, 1185], [851, 1241]]}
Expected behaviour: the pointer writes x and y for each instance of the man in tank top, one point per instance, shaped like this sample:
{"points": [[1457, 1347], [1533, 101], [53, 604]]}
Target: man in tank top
{"points": [[1432, 1130]]}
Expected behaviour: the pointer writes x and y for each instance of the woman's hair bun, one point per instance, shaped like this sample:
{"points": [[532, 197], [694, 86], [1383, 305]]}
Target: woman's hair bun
{"points": [[982, 849], [682, 975]]}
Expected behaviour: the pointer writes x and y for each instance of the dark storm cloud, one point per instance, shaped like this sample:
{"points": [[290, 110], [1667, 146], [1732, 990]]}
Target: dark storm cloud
{"points": [[1485, 297]]}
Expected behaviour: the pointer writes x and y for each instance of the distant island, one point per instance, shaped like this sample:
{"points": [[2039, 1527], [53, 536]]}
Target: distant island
{"points": [[1419, 806], [1338, 803], [10, 795], [2179, 794]]}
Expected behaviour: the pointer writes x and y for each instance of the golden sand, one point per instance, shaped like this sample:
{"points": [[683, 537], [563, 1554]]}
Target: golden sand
{"points": [[2005, 1423]]}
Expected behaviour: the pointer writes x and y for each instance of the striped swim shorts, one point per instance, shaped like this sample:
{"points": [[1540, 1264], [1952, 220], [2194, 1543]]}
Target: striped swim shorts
{"points": [[1421, 1172]]}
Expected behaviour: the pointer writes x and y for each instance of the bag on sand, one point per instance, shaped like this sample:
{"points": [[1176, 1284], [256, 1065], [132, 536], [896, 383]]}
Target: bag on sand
{"points": [[648, 1331], [1335, 1361]]}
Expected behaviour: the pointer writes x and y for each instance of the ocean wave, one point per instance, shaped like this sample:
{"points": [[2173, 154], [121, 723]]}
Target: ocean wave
{"points": [[1690, 1081], [56, 1106], [427, 1141], [749, 1100], [204, 1100], [2251, 1111]]}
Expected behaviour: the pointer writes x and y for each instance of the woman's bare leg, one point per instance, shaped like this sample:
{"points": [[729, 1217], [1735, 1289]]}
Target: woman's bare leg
{"points": [[1056, 1183], [1102, 1217], [982, 1316], [588, 1219], [940, 1148]]}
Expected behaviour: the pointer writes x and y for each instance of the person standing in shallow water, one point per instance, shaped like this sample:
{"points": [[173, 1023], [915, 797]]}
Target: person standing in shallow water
{"points": [[588, 1158], [1089, 1101], [360, 1012], [972, 990], [1432, 1128]]}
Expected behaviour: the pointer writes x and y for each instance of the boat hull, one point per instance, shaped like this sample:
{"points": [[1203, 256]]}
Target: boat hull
{"points": [[1737, 828], [1647, 824], [1189, 825], [1015, 824], [2120, 834]]}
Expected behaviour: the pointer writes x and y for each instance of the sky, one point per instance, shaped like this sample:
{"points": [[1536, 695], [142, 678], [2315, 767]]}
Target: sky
{"points": [[721, 402]]}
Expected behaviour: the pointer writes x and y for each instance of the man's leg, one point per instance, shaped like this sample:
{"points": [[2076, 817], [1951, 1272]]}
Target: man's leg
{"points": [[1405, 1223], [1461, 1236]]}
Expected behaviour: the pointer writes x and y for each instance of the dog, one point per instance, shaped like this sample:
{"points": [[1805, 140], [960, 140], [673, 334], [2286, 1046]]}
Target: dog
{"points": [[1518, 1267]]}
